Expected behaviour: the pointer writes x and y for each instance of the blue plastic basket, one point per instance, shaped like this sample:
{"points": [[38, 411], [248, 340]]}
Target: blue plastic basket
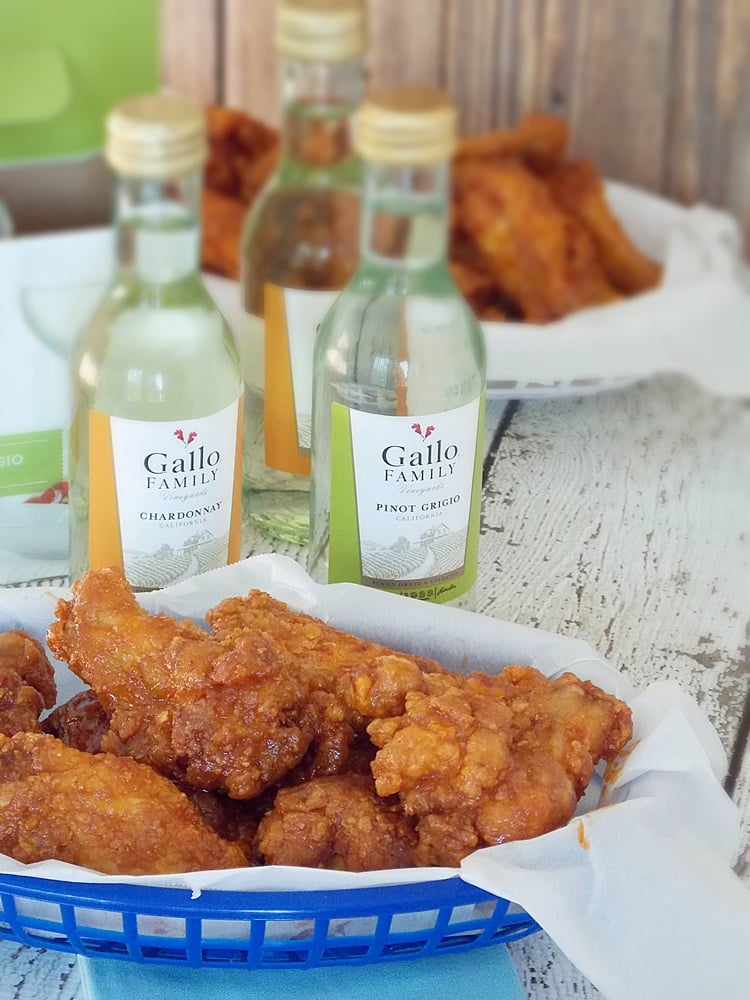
{"points": [[256, 930]]}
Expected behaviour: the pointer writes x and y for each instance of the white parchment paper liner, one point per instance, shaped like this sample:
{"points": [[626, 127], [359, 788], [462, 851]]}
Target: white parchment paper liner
{"points": [[637, 889]]}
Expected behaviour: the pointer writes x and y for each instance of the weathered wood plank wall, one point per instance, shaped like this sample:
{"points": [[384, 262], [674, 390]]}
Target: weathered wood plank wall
{"points": [[657, 92]]}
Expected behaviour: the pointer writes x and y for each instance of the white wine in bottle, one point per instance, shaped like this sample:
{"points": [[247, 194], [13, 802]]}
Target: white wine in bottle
{"points": [[156, 433], [299, 248], [399, 376]]}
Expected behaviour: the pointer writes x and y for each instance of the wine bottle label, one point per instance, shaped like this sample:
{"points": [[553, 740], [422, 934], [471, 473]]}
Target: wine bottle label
{"points": [[164, 496], [292, 318], [405, 500]]}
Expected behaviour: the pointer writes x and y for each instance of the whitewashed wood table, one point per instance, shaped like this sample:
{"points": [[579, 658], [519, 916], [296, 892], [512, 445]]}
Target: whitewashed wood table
{"points": [[624, 519]]}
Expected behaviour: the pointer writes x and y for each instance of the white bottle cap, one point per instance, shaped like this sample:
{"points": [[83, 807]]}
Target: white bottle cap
{"points": [[321, 30], [156, 135]]}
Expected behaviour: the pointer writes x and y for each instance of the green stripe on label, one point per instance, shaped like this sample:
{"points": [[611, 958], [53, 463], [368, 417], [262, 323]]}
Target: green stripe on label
{"points": [[29, 463], [344, 556]]}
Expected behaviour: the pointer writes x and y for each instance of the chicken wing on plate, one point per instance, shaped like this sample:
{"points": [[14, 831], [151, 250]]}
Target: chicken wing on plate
{"points": [[539, 140], [100, 811], [485, 759], [27, 683], [229, 717]]}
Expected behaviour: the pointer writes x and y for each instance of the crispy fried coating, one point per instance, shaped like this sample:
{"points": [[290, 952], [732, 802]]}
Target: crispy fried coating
{"points": [[486, 759], [372, 680], [242, 155], [336, 822], [376, 759], [578, 190], [229, 717], [27, 683], [103, 812], [80, 722], [542, 258], [539, 139], [351, 680]]}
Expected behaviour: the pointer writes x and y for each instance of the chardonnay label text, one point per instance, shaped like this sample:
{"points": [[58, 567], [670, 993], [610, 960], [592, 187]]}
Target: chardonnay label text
{"points": [[164, 496]]}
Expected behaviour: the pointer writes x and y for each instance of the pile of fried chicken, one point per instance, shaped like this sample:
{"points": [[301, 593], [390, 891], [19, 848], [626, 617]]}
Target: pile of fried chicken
{"points": [[532, 239], [272, 738]]}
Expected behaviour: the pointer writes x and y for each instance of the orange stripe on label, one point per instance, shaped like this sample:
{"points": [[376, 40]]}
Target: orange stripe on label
{"points": [[235, 524], [105, 545], [279, 416]]}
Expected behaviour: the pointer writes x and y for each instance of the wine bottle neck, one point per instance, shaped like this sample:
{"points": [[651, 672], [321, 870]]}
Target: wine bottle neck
{"points": [[157, 225], [405, 215], [319, 100]]}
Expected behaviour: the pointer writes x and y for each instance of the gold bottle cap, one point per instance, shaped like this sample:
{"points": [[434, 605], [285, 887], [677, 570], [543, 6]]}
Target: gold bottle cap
{"points": [[406, 126], [156, 135], [320, 30]]}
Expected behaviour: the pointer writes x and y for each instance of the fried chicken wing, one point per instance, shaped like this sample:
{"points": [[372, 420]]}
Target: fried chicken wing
{"points": [[219, 716], [542, 258], [103, 812], [27, 683], [578, 189], [485, 759], [336, 822]]}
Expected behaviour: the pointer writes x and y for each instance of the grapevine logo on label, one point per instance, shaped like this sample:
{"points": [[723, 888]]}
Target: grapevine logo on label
{"points": [[417, 428], [180, 435]]}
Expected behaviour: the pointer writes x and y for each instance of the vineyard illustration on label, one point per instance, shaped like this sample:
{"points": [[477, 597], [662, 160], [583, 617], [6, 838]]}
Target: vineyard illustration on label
{"points": [[437, 552], [200, 552]]}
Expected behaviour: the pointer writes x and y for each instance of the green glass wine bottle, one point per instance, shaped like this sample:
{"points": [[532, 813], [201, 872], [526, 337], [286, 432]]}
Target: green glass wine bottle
{"points": [[400, 376]]}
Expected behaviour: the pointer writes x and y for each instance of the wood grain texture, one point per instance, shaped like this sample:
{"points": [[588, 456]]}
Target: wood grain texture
{"points": [[251, 66], [191, 48]]}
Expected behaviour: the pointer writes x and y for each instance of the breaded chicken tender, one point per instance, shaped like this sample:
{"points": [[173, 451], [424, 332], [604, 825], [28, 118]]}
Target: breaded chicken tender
{"points": [[103, 812], [27, 683], [486, 759], [228, 717], [351, 680], [371, 679], [336, 822]]}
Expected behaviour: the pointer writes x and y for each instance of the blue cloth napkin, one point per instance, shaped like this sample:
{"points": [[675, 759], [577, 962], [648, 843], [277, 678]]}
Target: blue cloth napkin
{"points": [[482, 972]]}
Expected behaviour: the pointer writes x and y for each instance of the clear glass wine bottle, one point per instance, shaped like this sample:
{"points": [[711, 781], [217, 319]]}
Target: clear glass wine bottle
{"points": [[400, 376], [155, 442], [299, 248]]}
